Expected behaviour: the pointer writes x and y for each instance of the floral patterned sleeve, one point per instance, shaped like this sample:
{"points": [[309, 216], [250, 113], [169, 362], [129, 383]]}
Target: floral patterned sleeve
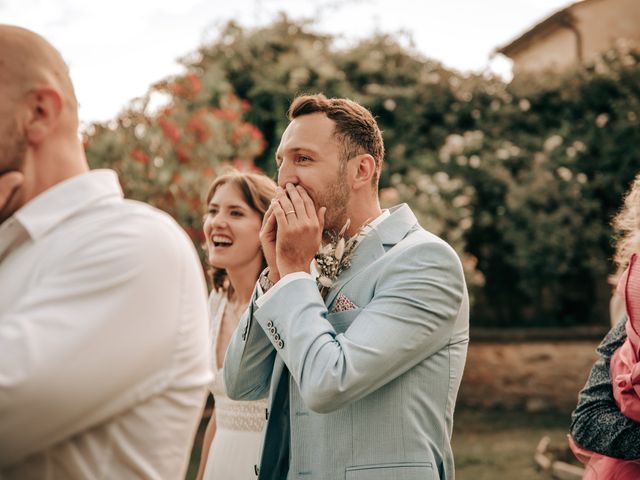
{"points": [[597, 424]]}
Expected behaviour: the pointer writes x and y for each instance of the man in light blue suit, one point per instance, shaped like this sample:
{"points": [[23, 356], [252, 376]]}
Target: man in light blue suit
{"points": [[362, 382]]}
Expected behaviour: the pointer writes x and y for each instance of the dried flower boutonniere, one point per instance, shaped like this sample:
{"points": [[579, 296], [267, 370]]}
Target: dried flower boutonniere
{"points": [[335, 257]]}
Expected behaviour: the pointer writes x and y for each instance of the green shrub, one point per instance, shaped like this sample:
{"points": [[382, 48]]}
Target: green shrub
{"points": [[521, 179]]}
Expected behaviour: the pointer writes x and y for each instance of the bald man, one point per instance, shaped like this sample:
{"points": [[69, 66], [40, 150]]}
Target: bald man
{"points": [[103, 317]]}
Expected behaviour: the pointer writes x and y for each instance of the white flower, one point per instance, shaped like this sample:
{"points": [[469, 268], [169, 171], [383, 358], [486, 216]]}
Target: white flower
{"points": [[579, 146], [389, 104], [339, 249], [461, 160], [334, 257], [564, 173], [345, 227], [325, 249], [502, 154], [553, 142], [602, 120], [455, 143]]}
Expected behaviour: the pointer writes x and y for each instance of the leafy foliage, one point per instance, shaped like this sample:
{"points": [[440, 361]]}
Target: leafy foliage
{"points": [[521, 179]]}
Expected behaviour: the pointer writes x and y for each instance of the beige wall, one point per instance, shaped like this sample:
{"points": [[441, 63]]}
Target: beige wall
{"points": [[600, 22], [553, 52]]}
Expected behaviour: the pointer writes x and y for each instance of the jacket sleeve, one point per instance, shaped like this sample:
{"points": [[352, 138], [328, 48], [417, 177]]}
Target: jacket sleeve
{"points": [[248, 362], [412, 315], [597, 423]]}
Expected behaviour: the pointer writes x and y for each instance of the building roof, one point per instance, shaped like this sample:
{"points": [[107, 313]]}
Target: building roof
{"points": [[560, 19]]}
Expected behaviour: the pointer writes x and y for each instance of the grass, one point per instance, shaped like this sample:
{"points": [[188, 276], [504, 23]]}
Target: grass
{"points": [[500, 446], [487, 445]]}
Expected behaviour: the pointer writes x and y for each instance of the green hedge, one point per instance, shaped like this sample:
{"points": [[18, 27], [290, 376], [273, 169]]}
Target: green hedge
{"points": [[522, 179]]}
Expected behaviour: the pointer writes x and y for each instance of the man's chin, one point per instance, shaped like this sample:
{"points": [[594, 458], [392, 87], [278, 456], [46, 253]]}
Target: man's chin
{"points": [[11, 206], [6, 213]]}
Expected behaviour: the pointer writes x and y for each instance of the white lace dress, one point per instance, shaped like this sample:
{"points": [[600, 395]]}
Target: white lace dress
{"points": [[235, 448]]}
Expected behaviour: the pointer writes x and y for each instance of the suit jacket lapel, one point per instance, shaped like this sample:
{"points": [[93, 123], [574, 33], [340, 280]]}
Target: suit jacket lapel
{"points": [[369, 249], [384, 236]]}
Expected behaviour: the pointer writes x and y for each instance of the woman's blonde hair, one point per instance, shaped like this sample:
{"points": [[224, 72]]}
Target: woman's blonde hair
{"points": [[257, 190], [627, 224]]}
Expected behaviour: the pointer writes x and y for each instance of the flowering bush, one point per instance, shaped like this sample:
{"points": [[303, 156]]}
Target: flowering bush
{"points": [[167, 157], [521, 179]]}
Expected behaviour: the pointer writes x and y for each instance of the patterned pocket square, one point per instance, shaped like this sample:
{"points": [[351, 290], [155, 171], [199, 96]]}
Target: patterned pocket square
{"points": [[343, 304]]}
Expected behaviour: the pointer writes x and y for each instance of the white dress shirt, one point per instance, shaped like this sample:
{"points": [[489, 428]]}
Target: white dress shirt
{"points": [[103, 337]]}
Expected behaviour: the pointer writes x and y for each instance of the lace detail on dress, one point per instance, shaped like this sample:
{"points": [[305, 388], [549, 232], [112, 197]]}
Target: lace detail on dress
{"points": [[246, 416], [243, 416]]}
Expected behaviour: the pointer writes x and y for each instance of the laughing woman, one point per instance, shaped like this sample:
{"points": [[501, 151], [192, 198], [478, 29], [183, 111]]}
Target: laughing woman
{"points": [[236, 203]]}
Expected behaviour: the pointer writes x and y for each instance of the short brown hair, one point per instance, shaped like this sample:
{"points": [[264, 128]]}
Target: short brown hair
{"points": [[356, 130], [257, 190]]}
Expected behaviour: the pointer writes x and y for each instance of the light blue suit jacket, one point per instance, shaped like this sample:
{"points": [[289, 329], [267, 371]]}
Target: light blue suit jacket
{"points": [[371, 390]]}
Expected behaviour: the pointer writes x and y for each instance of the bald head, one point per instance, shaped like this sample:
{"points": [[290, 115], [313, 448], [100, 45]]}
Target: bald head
{"points": [[28, 61], [39, 141]]}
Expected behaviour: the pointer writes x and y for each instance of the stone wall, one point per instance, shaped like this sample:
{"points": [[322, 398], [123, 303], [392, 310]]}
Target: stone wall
{"points": [[528, 375]]}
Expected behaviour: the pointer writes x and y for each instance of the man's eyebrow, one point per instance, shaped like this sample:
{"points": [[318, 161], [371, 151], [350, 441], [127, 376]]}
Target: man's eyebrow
{"points": [[297, 150], [304, 149]]}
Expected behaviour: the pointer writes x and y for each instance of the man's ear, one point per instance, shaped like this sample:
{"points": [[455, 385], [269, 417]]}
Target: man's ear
{"points": [[43, 110], [365, 169]]}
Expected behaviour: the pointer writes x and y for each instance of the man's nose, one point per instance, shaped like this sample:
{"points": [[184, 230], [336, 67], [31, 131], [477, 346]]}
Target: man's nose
{"points": [[286, 174]]}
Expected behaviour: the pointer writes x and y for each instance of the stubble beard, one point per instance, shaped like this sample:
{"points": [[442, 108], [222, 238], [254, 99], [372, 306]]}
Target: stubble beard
{"points": [[13, 151], [336, 199]]}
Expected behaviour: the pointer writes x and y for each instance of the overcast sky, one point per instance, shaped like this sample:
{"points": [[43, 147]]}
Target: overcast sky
{"points": [[117, 48]]}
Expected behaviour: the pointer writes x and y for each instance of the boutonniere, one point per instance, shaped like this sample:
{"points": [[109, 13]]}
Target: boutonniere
{"points": [[335, 257]]}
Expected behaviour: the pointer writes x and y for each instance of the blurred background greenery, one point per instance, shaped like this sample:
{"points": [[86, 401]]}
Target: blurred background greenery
{"points": [[521, 178]]}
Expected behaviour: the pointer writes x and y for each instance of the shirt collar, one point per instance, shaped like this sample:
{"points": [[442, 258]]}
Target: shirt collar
{"points": [[378, 220], [56, 204], [374, 223]]}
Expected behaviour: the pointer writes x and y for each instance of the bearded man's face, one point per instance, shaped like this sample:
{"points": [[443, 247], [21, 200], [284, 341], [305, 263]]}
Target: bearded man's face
{"points": [[13, 151]]}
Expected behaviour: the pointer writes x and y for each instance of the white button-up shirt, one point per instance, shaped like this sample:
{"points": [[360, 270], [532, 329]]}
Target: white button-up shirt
{"points": [[103, 337]]}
